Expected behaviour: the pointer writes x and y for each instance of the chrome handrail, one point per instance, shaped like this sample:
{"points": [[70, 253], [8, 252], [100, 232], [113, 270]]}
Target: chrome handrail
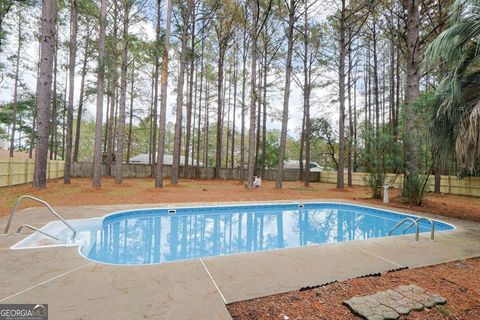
{"points": [[432, 228], [46, 205], [35, 229], [417, 231]]}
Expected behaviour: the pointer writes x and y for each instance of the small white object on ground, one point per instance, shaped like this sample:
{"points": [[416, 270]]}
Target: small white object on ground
{"points": [[257, 182], [385, 193]]}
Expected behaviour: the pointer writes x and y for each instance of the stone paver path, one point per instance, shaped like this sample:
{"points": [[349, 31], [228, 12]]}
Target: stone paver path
{"points": [[390, 304]]}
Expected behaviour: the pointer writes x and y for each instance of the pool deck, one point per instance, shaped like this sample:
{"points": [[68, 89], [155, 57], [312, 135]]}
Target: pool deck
{"points": [[76, 288]]}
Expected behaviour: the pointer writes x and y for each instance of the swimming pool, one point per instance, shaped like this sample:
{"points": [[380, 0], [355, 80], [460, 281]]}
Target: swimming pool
{"points": [[150, 236]]}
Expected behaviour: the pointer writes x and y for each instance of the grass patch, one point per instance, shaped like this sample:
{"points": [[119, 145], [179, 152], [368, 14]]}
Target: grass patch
{"points": [[444, 310]]}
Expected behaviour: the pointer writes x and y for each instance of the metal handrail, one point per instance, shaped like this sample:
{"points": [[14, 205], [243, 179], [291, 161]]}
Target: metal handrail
{"points": [[432, 228], [46, 205], [417, 231], [35, 229]]}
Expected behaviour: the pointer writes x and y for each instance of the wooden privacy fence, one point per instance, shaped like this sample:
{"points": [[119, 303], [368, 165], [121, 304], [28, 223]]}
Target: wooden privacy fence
{"points": [[15, 171], [469, 186], [84, 169]]}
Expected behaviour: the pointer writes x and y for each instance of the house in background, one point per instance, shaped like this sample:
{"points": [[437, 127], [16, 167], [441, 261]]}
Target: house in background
{"points": [[167, 160], [295, 165], [4, 145]]}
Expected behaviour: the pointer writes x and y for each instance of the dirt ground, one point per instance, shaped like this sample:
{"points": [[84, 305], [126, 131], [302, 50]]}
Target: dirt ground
{"points": [[462, 207], [132, 191], [458, 282]]}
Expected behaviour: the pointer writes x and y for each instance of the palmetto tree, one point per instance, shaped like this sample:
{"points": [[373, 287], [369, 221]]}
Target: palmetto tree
{"points": [[457, 119]]}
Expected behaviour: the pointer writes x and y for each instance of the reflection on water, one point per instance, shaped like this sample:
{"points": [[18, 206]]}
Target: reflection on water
{"points": [[154, 238]]}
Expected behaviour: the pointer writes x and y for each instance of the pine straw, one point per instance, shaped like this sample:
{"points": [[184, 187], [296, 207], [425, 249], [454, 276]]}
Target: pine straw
{"points": [[458, 282]]}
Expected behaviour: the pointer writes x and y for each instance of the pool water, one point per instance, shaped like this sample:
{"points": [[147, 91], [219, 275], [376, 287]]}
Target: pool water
{"points": [[161, 235]]}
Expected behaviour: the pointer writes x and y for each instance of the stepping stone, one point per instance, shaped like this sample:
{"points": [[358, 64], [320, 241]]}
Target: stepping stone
{"points": [[393, 300], [390, 304]]}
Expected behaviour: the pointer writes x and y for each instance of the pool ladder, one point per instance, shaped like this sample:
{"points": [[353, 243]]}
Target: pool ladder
{"points": [[415, 222], [55, 213]]}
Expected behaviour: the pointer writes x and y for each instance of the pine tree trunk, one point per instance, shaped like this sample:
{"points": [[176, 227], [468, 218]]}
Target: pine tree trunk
{"points": [[97, 156], [15, 85], [130, 119], [350, 120], [286, 95], [218, 153], [179, 106], [113, 88], [199, 131], [64, 117], [227, 147], [302, 144], [264, 121], [53, 127], [232, 158], [207, 125], [123, 98], [253, 98], [156, 73], [412, 92], [341, 98], [34, 124], [307, 69], [107, 121], [397, 95], [376, 93], [391, 97], [81, 98], [243, 106], [365, 87], [308, 129], [259, 109], [71, 92], [355, 124], [151, 146], [44, 84], [163, 100], [438, 172], [194, 119], [190, 97], [32, 135]]}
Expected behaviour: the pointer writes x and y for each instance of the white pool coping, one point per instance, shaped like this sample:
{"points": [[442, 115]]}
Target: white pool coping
{"points": [[75, 222]]}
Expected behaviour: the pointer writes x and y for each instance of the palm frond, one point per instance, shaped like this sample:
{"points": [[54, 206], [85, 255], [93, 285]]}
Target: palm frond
{"points": [[467, 144], [457, 51]]}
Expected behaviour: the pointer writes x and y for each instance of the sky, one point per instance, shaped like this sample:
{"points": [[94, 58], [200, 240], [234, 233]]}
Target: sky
{"points": [[145, 29]]}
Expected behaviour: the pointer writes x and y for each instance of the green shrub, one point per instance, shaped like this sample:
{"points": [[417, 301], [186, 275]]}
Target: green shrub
{"points": [[380, 155]]}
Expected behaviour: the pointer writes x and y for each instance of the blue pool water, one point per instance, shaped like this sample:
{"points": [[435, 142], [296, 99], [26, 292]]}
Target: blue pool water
{"points": [[156, 235]]}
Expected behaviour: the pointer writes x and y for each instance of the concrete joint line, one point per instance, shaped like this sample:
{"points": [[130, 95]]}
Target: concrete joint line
{"points": [[379, 256], [46, 281], [211, 278]]}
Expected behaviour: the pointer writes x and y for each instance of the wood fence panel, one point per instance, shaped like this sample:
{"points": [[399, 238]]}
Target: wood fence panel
{"points": [[4, 171], [84, 169], [469, 186], [15, 171]]}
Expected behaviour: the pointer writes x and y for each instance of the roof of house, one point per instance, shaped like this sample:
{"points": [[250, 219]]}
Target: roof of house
{"points": [[167, 159]]}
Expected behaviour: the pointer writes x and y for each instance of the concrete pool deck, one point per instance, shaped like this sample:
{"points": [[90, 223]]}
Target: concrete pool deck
{"points": [[76, 288]]}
